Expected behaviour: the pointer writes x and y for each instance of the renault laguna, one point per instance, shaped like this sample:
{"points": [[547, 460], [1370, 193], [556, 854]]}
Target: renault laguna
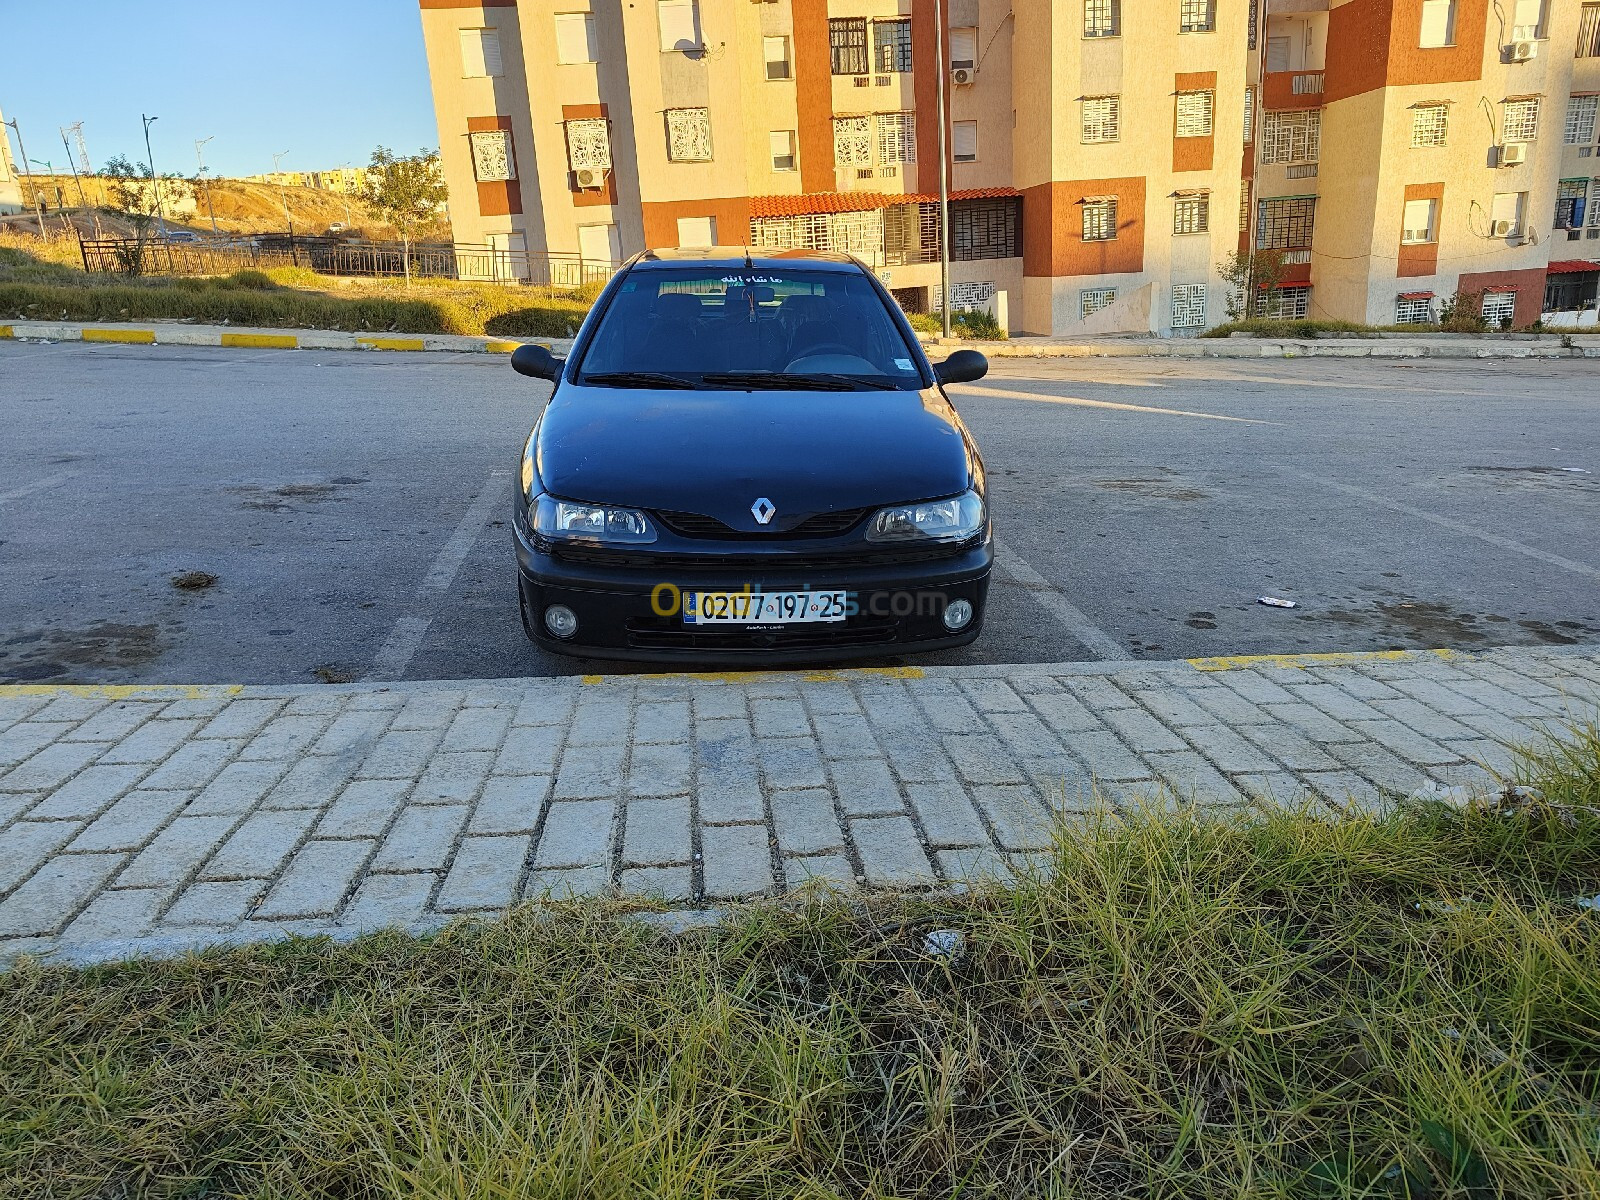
{"points": [[748, 457]]}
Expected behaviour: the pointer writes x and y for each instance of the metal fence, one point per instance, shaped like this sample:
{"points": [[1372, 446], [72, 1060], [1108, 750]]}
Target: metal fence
{"points": [[331, 256]]}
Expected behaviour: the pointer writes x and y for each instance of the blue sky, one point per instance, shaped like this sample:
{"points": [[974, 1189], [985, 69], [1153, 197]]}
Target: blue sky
{"points": [[327, 81]]}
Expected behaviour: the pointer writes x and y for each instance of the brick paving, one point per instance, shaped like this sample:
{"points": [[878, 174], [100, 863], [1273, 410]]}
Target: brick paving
{"points": [[143, 818]]}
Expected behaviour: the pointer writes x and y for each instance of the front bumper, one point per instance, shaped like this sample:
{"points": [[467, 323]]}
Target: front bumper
{"points": [[899, 606]]}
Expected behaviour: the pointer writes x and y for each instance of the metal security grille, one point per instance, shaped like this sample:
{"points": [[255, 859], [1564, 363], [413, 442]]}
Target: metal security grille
{"points": [[851, 232], [891, 43], [1197, 16], [1102, 18], [1254, 24], [1188, 305], [588, 144], [897, 137], [1244, 206], [1498, 309], [1430, 123], [1521, 120], [1294, 136], [847, 39], [1092, 300], [1589, 32], [1249, 113], [970, 297], [1580, 124], [1570, 197], [492, 161], [1102, 115], [1192, 214], [1418, 311], [983, 228], [1194, 114], [1099, 220], [1287, 303], [689, 134], [1285, 223], [852, 141]]}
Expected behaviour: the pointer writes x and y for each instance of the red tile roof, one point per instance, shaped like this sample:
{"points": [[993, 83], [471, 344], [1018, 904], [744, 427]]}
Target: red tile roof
{"points": [[831, 202], [1416, 295], [1572, 266]]}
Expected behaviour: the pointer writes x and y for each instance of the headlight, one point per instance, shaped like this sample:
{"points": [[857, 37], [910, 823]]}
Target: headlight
{"points": [[952, 520], [591, 522]]}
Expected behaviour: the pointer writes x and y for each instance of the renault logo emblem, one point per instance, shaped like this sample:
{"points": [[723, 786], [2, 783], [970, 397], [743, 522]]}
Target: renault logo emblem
{"points": [[763, 510]]}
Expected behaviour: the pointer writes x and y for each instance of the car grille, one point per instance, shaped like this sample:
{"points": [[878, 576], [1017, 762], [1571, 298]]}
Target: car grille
{"points": [[663, 635], [854, 555], [828, 524]]}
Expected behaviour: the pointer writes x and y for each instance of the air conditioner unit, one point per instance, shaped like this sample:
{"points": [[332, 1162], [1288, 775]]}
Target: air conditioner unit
{"points": [[963, 76], [1513, 154], [1523, 51], [590, 177], [1504, 229]]}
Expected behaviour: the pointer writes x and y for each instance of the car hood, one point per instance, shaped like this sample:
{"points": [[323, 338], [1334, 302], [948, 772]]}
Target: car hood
{"points": [[715, 453]]}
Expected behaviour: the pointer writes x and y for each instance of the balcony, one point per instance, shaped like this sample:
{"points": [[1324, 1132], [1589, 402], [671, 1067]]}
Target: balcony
{"points": [[1286, 90]]}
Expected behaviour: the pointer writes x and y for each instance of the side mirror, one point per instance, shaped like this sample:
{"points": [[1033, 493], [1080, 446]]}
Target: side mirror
{"points": [[961, 367], [537, 362]]}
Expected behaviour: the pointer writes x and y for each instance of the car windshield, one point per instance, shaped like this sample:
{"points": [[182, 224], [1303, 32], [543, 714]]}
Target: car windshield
{"points": [[732, 326]]}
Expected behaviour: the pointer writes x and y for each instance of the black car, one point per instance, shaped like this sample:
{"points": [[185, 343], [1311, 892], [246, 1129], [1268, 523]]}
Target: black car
{"points": [[748, 457]]}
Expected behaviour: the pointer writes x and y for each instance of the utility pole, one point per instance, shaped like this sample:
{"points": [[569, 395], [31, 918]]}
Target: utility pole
{"points": [[155, 180], [199, 148], [67, 146], [82, 167], [284, 192], [942, 77], [38, 208], [344, 189]]}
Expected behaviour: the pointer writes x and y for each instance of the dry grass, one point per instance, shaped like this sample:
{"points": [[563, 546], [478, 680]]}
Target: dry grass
{"points": [[1181, 1008]]}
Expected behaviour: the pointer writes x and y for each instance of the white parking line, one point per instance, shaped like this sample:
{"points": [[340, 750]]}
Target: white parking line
{"points": [[1461, 527], [1076, 622], [38, 485], [405, 637]]}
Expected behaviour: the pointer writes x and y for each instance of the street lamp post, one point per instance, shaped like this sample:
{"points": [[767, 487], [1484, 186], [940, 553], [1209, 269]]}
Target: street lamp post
{"points": [[284, 192], [38, 208], [199, 148], [83, 200], [942, 78], [155, 180]]}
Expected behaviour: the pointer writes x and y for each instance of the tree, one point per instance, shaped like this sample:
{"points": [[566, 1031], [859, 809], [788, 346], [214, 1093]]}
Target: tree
{"points": [[405, 191], [131, 194], [1258, 274]]}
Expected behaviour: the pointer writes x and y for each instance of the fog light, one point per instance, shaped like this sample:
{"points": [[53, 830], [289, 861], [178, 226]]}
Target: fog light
{"points": [[957, 614], [562, 622]]}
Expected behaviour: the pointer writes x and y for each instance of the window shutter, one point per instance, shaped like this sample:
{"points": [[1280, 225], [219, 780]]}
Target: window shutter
{"points": [[1194, 114], [680, 24], [1438, 22], [575, 38], [490, 40], [1277, 54], [965, 141], [963, 47], [1418, 223], [472, 64]]}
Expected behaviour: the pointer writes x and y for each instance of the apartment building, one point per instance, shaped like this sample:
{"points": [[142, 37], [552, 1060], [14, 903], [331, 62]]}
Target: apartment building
{"points": [[1104, 155], [10, 185]]}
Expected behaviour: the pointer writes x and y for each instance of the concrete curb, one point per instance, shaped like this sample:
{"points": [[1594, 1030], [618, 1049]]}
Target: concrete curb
{"points": [[175, 333]]}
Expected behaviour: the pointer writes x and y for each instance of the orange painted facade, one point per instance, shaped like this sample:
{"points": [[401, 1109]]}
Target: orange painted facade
{"points": [[1052, 228], [1420, 258]]}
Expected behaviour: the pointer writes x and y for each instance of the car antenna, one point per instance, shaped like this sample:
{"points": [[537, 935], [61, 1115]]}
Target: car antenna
{"points": [[748, 264]]}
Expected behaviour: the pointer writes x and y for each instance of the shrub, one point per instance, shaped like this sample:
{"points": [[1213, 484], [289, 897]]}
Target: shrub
{"points": [[1463, 313], [964, 322]]}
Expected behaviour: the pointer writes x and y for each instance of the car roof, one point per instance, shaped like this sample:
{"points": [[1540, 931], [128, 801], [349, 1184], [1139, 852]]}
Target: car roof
{"points": [[765, 257]]}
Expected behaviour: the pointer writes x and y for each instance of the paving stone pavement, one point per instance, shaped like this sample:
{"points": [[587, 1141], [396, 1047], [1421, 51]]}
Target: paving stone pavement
{"points": [[139, 818]]}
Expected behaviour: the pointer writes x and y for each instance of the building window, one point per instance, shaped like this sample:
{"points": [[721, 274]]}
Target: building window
{"points": [[1589, 32], [891, 44], [980, 228], [849, 232], [1498, 309], [1102, 18], [963, 48], [1438, 24], [1100, 219], [1527, 21], [697, 231], [1285, 222], [1570, 197], [1249, 113], [776, 51], [964, 297], [1286, 303], [852, 141], [781, 143], [688, 135], [1520, 120], [1506, 214], [480, 53], [1191, 213], [575, 38], [1429, 124], [1413, 310], [1244, 206], [1277, 55], [1188, 305], [680, 24], [1092, 300], [897, 137], [1194, 114], [1420, 223], [847, 38], [493, 160], [964, 141], [1581, 120], [1102, 116], [1292, 136], [1253, 25], [589, 144], [1197, 16]]}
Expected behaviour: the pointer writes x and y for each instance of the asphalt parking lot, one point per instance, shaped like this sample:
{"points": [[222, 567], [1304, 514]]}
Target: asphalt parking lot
{"points": [[352, 509]]}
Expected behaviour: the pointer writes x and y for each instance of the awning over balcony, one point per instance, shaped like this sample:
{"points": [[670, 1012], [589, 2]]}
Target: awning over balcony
{"points": [[1572, 266], [1416, 295], [831, 202]]}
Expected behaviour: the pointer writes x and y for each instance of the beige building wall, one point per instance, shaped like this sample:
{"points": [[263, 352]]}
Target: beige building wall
{"points": [[10, 187]]}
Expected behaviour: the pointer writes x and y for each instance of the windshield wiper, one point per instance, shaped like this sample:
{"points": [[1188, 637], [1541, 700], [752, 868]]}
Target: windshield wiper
{"points": [[781, 381], [637, 379]]}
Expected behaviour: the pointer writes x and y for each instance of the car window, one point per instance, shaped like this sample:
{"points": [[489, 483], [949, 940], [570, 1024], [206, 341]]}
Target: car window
{"points": [[703, 323]]}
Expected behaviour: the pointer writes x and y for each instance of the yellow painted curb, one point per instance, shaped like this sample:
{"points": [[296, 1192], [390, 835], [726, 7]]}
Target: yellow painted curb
{"points": [[1301, 661], [842, 675], [7, 332], [143, 337], [261, 341], [501, 347], [390, 343], [124, 691]]}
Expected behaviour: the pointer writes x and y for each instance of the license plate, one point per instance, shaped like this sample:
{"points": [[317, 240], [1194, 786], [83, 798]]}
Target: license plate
{"points": [[762, 608]]}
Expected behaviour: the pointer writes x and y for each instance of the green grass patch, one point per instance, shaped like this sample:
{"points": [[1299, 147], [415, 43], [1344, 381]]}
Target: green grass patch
{"points": [[1284, 1006], [964, 322]]}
